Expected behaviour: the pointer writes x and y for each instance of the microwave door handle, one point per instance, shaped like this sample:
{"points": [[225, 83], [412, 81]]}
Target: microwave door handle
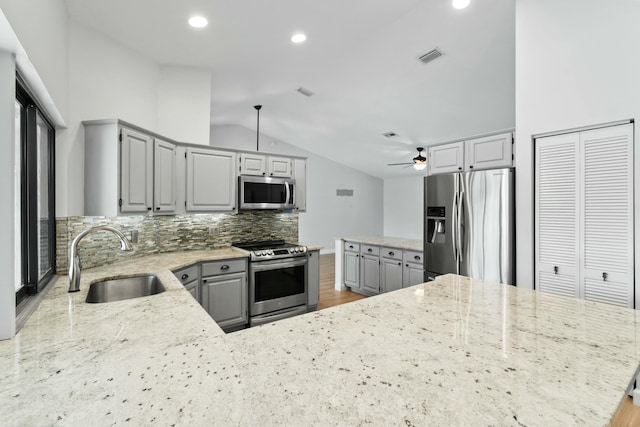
{"points": [[288, 192]]}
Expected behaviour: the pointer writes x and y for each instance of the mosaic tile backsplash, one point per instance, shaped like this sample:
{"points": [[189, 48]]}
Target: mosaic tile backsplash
{"points": [[158, 234]]}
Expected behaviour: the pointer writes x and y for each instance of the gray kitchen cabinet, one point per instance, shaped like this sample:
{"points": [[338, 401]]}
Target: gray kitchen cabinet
{"points": [[210, 180], [263, 165], [190, 279], [352, 265], [313, 279], [413, 269], [300, 176], [225, 292], [446, 158], [490, 152], [370, 269], [127, 170], [390, 269]]}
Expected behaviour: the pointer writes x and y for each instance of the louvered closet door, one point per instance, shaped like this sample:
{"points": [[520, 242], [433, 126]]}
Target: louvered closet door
{"points": [[557, 214], [607, 189]]}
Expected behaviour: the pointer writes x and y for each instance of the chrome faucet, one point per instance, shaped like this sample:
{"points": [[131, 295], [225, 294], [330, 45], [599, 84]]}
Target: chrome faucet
{"points": [[74, 258]]}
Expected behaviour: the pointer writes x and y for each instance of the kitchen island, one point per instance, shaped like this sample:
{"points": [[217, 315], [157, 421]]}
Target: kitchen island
{"points": [[454, 351]]}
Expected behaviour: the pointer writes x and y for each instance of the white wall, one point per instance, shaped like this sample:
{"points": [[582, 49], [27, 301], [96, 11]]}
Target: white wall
{"points": [[184, 104], [576, 65], [327, 216], [404, 207]]}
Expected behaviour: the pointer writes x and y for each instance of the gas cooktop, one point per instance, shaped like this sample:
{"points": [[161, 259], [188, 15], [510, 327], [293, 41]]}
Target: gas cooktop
{"points": [[272, 249]]}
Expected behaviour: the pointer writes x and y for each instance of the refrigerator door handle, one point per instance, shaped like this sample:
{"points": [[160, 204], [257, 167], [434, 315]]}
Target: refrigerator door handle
{"points": [[460, 231], [454, 226]]}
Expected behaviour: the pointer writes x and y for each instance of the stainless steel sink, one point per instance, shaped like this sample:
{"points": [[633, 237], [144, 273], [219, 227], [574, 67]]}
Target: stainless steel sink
{"points": [[124, 288]]}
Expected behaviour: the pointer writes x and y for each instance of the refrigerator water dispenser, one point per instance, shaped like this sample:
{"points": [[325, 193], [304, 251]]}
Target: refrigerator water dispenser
{"points": [[436, 224]]}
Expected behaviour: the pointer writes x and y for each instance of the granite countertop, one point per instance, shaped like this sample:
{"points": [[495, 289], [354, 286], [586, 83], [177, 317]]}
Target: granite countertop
{"points": [[451, 352], [392, 242]]}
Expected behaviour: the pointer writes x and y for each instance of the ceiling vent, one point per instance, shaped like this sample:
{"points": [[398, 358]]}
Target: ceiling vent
{"points": [[430, 56], [389, 134], [304, 91]]}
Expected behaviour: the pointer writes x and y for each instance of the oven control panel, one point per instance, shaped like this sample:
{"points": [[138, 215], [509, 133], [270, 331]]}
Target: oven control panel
{"points": [[265, 254]]}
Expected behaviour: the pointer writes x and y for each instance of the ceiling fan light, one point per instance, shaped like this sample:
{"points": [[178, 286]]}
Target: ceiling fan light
{"points": [[419, 165]]}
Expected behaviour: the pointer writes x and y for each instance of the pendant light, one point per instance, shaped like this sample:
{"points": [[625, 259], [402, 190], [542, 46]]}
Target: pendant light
{"points": [[419, 161], [258, 107]]}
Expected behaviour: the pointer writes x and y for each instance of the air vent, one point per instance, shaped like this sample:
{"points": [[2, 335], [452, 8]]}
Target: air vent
{"points": [[344, 192], [305, 91], [389, 134], [430, 56]]}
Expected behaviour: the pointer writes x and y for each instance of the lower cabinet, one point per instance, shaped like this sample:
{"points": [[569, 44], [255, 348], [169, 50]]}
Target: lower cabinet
{"points": [[313, 279], [391, 269], [190, 278], [370, 270], [224, 291]]}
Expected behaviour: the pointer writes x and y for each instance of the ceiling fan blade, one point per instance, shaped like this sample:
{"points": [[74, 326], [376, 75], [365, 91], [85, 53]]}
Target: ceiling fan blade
{"points": [[410, 166], [399, 164]]}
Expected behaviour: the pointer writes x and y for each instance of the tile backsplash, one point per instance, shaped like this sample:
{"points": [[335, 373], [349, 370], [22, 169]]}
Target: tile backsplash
{"points": [[158, 234]]}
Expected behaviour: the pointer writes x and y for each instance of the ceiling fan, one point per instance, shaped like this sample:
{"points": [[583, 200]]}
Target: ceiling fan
{"points": [[419, 162]]}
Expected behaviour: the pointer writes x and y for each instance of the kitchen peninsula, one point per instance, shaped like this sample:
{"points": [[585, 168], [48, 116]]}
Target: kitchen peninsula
{"points": [[450, 352]]}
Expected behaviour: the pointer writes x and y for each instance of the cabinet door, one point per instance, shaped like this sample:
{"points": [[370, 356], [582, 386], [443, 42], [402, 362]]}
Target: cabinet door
{"points": [[446, 158], [225, 299], [313, 271], [607, 208], [279, 167], [211, 180], [253, 164], [164, 181], [412, 274], [391, 274], [490, 152], [136, 172], [557, 213], [300, 175], [370, 269], [352, 269], [194, 289]]}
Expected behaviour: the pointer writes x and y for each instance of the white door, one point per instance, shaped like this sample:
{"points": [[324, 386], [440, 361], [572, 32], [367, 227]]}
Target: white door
{"points": [[279, 167], [164, 182], [136, 172], [300, 174], [211, 180], [557, 213], [607, 205], [253, 164]]}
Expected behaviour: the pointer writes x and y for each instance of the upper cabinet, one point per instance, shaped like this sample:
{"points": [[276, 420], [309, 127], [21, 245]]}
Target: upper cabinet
{"points": [[446, 158], [127, 171], [211, 180], [300, 176], [489, 152], [261, 165]]}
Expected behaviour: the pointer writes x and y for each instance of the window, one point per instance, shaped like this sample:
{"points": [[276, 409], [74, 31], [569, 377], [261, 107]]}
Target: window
{"points": [[37, 203]]}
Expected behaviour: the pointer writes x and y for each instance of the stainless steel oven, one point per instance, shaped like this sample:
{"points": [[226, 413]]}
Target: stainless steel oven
{"points": [[277, 281]]}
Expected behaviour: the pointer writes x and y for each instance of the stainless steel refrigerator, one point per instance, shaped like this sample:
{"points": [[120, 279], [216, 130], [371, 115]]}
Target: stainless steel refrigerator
{"points": [[469, 225]]}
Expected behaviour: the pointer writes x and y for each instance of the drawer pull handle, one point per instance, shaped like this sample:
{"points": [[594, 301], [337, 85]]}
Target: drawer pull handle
{"points": [[350, 246], [555, 269], [185, 276], [224, 267], [369, 250], [391, 254], [417, 257], [604, 276]]}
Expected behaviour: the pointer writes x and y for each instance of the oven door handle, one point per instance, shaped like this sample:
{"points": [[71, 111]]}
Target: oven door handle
{"points": [[277, 264]]}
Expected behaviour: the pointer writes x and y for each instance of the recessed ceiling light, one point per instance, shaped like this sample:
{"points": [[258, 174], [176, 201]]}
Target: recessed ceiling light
{"points": [[298, 38], [198, 21], [460, 4]]}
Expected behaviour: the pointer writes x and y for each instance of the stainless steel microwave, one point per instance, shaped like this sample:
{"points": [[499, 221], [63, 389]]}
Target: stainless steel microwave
{"points": [[260, 192]]}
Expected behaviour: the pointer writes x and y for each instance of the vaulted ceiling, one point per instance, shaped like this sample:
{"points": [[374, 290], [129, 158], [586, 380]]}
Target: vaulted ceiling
{"points": [[360, 60]]}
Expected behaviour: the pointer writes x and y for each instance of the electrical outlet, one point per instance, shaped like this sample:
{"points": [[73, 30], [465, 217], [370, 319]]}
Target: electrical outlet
{"points": [[214, 231], [134, 236]]}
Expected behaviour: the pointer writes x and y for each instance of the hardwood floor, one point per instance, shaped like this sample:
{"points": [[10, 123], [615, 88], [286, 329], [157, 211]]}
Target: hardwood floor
{"points": [[627, 416], [329, 297]]}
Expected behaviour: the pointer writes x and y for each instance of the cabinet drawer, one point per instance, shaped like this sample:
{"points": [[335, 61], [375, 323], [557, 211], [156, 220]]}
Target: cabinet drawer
{"points": [[413, 257], [370, 250], [187, 274], [392, 253], [227, 266], [352, 247]]}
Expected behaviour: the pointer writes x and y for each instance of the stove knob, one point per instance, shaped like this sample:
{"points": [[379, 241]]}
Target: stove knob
{"points": [[260, 253], [269, 252]]}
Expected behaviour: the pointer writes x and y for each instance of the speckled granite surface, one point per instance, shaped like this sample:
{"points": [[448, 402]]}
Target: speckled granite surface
{"points": [[392, 242], [449, 352]]}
